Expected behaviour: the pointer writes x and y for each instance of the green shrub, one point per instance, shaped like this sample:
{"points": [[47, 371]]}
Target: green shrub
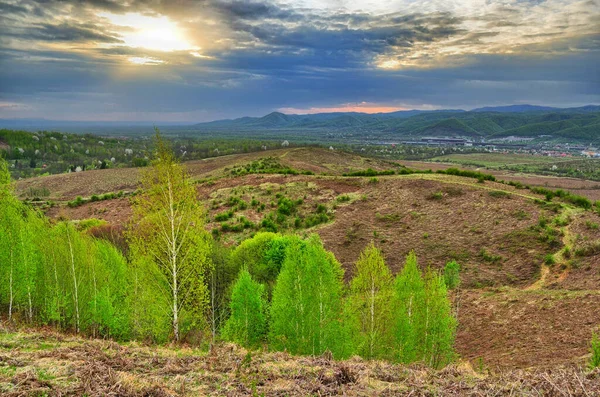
{"points": [[224, 216], [499, 194], [343, 199], [452, 274], [370, 172], [321, 209], [489, 257], [436, 196], [549, 260]]}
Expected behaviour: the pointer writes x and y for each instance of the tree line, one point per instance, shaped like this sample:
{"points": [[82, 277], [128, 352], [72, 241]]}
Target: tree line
{"points": [[174, 282]]}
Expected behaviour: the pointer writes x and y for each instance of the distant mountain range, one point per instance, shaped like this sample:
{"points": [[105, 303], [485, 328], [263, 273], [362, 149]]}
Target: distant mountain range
{"points": [[581, 124], [542, 123]]}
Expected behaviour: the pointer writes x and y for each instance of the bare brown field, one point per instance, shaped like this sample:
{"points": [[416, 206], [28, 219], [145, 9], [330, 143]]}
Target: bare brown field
{"points": [[51, 364]]}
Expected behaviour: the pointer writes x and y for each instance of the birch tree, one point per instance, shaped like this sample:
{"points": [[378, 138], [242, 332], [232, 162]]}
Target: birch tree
{"points": [[368, 308], [409, 302], [247, 323], [440, 325], [306, 305], [10, 223], [168, 230]]}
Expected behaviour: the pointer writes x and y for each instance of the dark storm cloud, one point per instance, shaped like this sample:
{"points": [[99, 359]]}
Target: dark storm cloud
{"points": [[12, 9]]}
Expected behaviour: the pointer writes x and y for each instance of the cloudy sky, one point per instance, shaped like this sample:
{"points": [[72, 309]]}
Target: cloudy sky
{"points": [[202, 60]]}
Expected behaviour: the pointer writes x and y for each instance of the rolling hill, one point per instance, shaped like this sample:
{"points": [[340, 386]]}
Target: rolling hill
{"points": [[578, 125]]}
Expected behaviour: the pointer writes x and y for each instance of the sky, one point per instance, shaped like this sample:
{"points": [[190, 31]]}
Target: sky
{"points": [[193, 61]]}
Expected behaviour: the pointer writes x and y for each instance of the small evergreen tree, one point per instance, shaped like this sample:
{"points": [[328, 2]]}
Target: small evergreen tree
{"points": [[368, 308], [247, 323]]}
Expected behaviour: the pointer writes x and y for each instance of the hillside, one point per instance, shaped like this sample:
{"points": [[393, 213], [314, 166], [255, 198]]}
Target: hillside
{"points": [[513, 304], [46, 363], [544, 123]]}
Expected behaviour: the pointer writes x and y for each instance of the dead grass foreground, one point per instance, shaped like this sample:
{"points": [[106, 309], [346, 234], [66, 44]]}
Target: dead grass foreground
{"points": [[45, 363]]}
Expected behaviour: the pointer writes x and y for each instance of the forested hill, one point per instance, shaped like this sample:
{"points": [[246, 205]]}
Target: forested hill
{"points": [[580, 125]]}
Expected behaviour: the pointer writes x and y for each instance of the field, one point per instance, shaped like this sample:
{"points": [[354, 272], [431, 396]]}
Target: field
{"points": [[517, 309], [572, 167], [50, 364]]}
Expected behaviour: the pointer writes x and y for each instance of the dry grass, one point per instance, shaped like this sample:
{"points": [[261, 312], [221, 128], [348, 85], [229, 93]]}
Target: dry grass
{"points": [[51, 364]]}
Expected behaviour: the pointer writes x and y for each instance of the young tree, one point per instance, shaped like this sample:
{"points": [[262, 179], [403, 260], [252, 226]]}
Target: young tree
{"points": [[10, 224], [220, 274], [452, 275], [440, 325], [247, 323], [168, 231], [306, 304], [595, 350], [409, 301], [368, 308]]}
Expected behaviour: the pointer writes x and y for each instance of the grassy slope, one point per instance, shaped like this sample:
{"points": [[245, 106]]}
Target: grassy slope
{"points": [[49, 364]]}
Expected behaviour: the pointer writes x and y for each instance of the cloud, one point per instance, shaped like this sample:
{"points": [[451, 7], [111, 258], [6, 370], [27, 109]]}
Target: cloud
{"points": [[256, 56]]}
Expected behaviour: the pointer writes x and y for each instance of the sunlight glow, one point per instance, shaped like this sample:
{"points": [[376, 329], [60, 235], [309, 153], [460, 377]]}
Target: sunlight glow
{"points": [[145, 61], [151, 33]]}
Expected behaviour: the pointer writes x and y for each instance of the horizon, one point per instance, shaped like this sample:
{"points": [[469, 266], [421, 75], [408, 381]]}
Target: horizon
{"points": [[190, 123], [191, 62]]}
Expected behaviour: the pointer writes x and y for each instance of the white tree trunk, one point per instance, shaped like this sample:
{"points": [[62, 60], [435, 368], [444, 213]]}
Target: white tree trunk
{"points": [[75, 286]]}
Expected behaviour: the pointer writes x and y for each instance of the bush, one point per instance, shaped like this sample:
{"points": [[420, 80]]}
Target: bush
{"points": [[468, 174], [488, 257], [452, 274], [436, 196], [344, 198], [549, 260], [499, 194], [224, 216], [370, 172], [321, 209]]}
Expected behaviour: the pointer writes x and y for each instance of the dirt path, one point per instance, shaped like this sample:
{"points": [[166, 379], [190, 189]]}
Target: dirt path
{"points": [[559, 257]]}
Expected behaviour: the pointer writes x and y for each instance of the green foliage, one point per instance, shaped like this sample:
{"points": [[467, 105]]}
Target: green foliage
{"points": [[424, 325], [440, 325], [409, 302], [468, 174], [452, 275], [578, 201], [170, 240], [489, 257], [306, 305], [595, 350], [370, 172], [247, 323], [267, 165], [368, 311]]}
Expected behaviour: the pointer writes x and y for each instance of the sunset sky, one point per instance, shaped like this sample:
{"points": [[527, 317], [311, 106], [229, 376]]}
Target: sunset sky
{"points": [[192, 61]]}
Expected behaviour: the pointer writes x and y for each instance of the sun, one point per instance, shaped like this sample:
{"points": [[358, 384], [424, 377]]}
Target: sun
{"points": [[151, 33]]}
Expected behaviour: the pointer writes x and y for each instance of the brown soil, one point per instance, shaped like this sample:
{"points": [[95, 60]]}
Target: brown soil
{"points": [[516, 329], [57, 365], [116, 211]]}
